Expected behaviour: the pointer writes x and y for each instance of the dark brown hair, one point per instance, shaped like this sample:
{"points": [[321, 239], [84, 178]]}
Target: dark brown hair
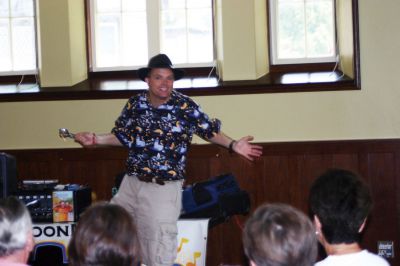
{"points": [[341, 200], [105, 236]]}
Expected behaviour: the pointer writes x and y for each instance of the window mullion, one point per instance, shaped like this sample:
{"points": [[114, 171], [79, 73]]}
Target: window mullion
{"points": [[120, 34], [153, 29], [10, 34], [93, 26], [274, 30], [187, 31], [305, 29], [10, 41]]}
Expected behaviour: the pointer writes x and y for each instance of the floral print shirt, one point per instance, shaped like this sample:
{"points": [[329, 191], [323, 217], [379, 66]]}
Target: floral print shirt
{"points": [[158, 138]]}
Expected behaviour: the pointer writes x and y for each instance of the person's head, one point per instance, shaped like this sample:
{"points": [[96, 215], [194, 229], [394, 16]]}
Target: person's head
{"points": [[340, 202], [16, 239], [160, 76], [104, 236], [280, 235]]}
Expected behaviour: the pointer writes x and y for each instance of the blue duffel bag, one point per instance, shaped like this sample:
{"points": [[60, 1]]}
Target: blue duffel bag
{"points": [[217, 199]]}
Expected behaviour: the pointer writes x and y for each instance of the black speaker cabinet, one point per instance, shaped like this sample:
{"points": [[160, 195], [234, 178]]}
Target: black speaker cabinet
{"points": [[8, 175]]}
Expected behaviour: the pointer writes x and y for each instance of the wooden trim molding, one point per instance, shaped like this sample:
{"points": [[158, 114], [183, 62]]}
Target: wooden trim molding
{"points": [[124, 87]]}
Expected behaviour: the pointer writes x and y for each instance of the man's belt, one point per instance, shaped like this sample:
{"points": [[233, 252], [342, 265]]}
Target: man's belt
{"points": [[151, 179]]}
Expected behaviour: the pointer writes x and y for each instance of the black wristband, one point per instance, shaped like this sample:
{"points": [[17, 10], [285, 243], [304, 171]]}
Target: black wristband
{"points": [[231, 146]]}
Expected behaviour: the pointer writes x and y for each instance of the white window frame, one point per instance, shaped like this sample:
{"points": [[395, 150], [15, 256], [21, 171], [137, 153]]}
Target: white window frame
{"points": [[153, 35], [28, 71], [274, 41]]}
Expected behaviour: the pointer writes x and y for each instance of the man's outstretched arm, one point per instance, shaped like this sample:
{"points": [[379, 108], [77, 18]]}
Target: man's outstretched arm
{"points": [[90, 139]]}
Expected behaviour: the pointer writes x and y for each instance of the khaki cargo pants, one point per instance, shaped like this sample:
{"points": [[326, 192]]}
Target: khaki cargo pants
{"points": [[155, 209]]}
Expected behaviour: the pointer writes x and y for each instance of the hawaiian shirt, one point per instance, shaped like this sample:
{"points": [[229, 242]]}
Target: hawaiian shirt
{"points": [[158, 138]]}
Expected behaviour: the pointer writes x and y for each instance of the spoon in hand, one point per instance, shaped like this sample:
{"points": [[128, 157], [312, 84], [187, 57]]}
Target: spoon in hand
{"points": [[64, 133]]}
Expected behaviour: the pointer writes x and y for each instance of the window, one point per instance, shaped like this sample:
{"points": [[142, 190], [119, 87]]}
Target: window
{"points": [[302, 31], [125, 33], [342, 75], [17, 37]]}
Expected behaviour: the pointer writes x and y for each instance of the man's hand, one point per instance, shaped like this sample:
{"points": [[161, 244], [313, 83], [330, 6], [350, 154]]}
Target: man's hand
{"points": [[86, 139], [244, 148], [89, 139]]}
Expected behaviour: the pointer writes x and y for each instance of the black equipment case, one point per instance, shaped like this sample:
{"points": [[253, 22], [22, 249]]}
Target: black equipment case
{"points": [[217, 199]]}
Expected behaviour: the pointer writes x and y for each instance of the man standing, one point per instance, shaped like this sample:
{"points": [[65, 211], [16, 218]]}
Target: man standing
{"points": [[157, 127], [16, 239]]}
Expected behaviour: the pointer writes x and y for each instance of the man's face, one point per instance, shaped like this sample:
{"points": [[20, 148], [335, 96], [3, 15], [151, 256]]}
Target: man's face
{"points": [[160, 81]]}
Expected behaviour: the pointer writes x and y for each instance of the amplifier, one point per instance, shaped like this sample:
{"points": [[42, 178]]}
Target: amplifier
{"points": [[49, 205], [39, 204]]}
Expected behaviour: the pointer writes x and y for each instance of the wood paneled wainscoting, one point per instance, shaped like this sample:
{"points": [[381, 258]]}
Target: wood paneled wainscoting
{"points": [[283, 174]]}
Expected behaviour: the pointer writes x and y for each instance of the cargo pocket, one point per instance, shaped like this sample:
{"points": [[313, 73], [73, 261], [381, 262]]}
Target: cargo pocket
{"points": [[167, 243], [147, 239]]}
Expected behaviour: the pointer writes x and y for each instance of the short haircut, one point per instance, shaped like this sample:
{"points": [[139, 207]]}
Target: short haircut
{"points": [[15, 225], [341, 201], [280, 235], [104, 236]]}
